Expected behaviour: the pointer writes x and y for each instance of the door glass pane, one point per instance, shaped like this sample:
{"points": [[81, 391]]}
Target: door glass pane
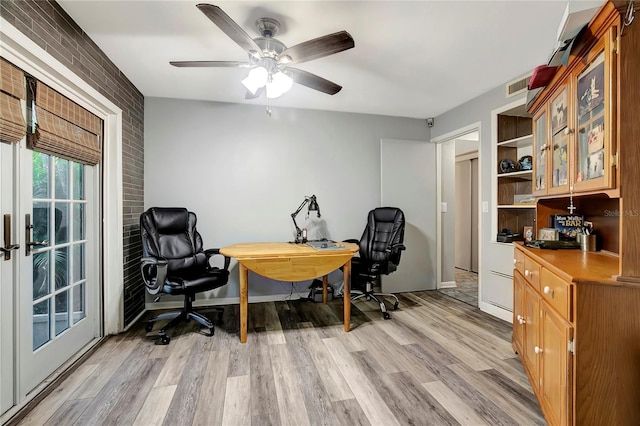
{"points": [[559, 159], [41, 328], [41, 285], [541, 152], [78, 221], [78, 263], [62, 311], [62, 179], [591, 114], [78, 181], [40, 231], [40, 175], [61, 267], [78, 303], [61, 228]]}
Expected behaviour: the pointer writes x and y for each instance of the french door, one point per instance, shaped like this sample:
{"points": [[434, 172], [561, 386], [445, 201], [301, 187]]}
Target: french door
{"points": [[53, 279]]}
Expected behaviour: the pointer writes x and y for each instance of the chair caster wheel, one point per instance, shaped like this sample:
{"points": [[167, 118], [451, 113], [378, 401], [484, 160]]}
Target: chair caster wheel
{"points": [[163, 340], [148, 327], [386, 315], [395, 306]]}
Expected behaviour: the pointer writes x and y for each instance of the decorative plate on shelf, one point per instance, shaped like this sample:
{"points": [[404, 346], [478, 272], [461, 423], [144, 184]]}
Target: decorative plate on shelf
{"points": [[526, 162], [507, 166]]}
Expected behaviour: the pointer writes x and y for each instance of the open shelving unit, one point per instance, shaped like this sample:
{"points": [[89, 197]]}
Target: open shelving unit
{"points": [[515, 205]]}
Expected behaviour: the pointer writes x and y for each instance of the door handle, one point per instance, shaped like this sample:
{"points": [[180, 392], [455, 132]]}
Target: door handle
{"points": [[8, 247], [31, 244]]}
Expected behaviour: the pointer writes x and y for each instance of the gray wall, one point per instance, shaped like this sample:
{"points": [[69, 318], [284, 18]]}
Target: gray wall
{"points": [[478, 110], [49, 26], [244, 173]]}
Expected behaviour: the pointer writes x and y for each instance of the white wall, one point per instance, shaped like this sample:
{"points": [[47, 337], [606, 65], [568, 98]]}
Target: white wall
{"points": [[244, 173]]}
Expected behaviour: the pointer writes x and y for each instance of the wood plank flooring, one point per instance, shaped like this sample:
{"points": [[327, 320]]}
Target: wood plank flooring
{"points": [[438, 361]]}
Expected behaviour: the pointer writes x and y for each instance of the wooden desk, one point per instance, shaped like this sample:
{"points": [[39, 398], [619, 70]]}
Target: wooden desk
{"points": [[290, 262]]}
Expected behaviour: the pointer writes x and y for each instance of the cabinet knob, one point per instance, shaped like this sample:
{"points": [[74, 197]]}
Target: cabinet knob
{"points": [[527, 273], [537, 350], [547, 290], [543, 147], [515, 262], [521, 320], [568, 131]]}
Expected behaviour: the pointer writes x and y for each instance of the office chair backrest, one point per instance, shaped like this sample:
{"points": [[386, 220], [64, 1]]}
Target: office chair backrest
{"points": [[170, 233], [385, 227]]}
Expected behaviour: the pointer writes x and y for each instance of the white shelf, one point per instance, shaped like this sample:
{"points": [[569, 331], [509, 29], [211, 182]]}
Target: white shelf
{"points": [[520, 142], [523, 174]]}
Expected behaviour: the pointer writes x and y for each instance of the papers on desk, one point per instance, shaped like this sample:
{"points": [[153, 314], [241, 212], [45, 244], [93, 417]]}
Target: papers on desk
{"points": [[325, 245]]}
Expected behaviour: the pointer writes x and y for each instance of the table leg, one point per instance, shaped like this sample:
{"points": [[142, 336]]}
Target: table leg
{"points": [[346, 292], [325, 283], [244, 301]]}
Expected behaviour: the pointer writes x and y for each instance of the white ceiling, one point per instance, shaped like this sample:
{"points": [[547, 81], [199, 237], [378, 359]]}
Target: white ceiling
{"points": [[411, 59]]}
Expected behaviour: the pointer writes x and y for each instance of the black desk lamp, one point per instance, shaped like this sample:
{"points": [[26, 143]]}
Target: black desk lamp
{"points": [[313, 206]]}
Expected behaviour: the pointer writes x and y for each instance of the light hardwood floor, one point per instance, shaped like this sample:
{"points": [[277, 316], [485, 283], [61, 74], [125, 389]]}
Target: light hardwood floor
{"points": [[438, 361]]}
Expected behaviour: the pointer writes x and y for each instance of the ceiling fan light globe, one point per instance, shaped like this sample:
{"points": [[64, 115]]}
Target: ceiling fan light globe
{"points": [[283, 81], [256, 79]]}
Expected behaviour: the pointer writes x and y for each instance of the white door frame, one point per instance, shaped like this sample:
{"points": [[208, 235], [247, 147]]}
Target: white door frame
{"points": [[477, 126], [27, 55]]}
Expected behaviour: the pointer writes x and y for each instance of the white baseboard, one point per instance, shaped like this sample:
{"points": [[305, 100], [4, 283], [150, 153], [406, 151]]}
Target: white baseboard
{"points": [[151, 306], [448, 284], [494, 310]]}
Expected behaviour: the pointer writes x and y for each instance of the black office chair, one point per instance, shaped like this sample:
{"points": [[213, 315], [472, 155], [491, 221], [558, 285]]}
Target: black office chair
{"points": [[381, 246], [174, 263]]}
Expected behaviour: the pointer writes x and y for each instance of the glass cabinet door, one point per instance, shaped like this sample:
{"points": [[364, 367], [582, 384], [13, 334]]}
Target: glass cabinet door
{"points": [[540, 149], [559, 157], [592, 161]]}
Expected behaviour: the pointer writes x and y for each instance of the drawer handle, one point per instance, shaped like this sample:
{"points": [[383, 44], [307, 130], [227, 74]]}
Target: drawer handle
{"points": [[521, 319], [527, 273], [537, 350], [547, 290]]}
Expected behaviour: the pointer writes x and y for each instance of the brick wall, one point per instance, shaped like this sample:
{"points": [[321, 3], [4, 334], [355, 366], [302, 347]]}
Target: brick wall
{"points": [[50, 27]]}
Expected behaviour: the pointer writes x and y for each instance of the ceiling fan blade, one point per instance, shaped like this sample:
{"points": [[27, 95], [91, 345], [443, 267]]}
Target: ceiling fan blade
{"points": [[230, 28], [258, 93], [312, 81], [317, 48], [202, 64]]}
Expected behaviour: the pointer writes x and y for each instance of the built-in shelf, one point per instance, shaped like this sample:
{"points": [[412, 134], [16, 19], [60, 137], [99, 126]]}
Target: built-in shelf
{"points": [[521, 142], [522, 174], [517, 206]]}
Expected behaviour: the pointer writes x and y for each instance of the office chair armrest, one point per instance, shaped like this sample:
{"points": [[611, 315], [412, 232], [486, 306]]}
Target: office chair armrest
{"points": [[398, 247], [352, 241], [215, 251], [154, 273]]}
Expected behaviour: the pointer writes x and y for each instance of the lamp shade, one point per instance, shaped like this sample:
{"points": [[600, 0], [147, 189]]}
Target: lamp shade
{"points": [[279, 84], [256, 79]]}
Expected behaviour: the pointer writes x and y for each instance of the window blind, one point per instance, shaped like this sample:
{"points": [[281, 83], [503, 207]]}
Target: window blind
{"points": [[64, 128], [12, 89]]}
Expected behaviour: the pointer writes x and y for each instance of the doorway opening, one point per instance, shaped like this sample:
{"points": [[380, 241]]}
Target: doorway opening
{"points": [[459, 224]]}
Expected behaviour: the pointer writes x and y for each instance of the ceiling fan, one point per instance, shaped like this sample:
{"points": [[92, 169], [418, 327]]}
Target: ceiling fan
{"points": [[270, 59]]}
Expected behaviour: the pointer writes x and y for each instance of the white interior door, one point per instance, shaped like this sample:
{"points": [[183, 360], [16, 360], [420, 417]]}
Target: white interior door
{"points": [[408, 181], [59, 279], [8, 274]]}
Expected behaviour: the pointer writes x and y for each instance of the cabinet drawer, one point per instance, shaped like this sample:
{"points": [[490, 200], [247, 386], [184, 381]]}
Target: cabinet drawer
{"points": [[518, 261], [532, 272], [556, 292]]}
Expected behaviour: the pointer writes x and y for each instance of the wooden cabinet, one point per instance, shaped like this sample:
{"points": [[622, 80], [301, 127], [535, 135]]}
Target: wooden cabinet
{"points": [[585, 138], [577, 332], [573, 135]]}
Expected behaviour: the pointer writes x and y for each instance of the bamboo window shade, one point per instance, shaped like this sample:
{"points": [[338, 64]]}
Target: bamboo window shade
{"points": [[64, 128], [12, 89]]}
